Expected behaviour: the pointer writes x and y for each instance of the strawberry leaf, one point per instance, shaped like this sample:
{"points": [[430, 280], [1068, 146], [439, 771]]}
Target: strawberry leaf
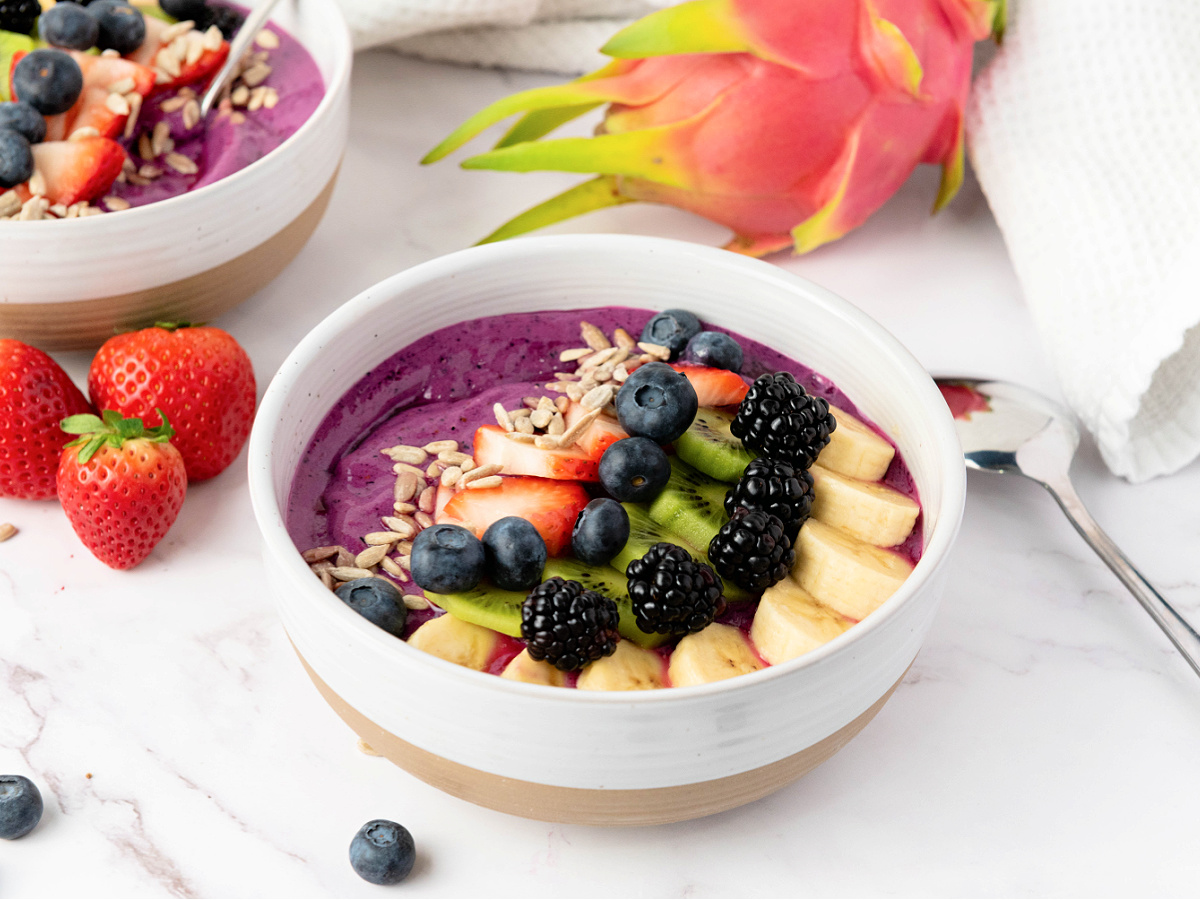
{"points": [[93, 444], [81, 424]]}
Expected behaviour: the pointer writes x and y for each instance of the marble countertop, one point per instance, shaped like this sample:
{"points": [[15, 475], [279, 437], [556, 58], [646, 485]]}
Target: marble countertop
{"points": [[1043, 743]]}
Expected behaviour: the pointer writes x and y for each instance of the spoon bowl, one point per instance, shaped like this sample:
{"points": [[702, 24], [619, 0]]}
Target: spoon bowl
{"points": [[1008, 429]]}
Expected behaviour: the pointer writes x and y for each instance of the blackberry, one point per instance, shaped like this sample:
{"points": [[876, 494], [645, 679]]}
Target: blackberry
{"points": [[673, 593], [227, 20], [779, 419], [19, 15], [752, 550], [567, 625], [775, 487]]}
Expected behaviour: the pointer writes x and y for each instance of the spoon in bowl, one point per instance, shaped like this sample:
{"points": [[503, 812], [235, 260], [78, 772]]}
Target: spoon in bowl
{"points": [[1011, 430], [256, 19]]}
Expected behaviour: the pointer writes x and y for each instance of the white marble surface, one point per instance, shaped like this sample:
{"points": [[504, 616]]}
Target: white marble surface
{"points": [[1044, 742]]}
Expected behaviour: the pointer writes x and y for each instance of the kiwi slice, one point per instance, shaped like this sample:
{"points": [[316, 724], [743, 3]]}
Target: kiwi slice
{"points": [[607, 581], [644, 533], [709, 446], [11, 44], [485, 605]]}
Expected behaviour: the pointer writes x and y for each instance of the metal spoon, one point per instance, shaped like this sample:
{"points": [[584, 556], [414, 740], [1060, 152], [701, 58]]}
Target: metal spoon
{"points": [[237, 49], [1011, 430]]}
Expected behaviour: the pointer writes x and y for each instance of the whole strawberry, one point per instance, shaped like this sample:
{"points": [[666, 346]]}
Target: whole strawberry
{"points": [[35, 395], [199, 376], [121, 485]]}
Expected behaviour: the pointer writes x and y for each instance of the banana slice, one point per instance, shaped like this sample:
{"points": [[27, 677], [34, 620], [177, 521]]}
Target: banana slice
{"points": [[872, 512], [629, 669], [847, 575], [790, 622], [716, 653], [855, 450], [524, 667], [457, 641]]}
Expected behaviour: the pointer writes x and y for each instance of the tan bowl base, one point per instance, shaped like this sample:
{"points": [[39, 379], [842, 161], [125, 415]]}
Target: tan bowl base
{"points": [[582, 806], [200, 298]]}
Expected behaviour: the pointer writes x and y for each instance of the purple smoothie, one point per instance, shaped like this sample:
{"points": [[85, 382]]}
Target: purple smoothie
{"points": [[221, 146], [443, 386]]}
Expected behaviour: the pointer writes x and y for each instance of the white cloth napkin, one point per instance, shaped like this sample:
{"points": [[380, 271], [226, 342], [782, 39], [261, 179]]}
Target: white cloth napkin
{"points": [[543, 35], [1085, 134]]}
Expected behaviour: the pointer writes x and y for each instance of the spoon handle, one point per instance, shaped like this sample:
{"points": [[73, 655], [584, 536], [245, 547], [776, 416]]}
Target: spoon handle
{"points": [[255, 20], [1182, 635]]}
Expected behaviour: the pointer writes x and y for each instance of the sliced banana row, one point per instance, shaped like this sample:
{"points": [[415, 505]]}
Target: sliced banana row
{"points": [[855, 450]]}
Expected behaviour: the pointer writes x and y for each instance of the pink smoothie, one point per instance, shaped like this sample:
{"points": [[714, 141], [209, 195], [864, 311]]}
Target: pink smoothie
{"points": [[443, 386], [221, 146]]}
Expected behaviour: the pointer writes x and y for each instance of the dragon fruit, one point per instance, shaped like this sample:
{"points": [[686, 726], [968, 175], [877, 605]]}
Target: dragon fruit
{"points": [[788, 121]]}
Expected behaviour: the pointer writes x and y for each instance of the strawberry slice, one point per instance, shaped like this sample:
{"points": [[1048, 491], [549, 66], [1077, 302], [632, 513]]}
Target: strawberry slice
{"points": [[551, 506], [600, 434], [76, 170], [570, 464], [714, 387], [207, 63], [91, 110]]}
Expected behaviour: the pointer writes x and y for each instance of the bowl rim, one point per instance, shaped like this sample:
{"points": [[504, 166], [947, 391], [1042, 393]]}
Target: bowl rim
{"points": [[282, 550], [339, 79]]}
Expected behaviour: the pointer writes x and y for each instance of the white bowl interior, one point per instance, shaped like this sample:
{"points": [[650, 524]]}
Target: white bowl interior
{"points": [[749, 297]]}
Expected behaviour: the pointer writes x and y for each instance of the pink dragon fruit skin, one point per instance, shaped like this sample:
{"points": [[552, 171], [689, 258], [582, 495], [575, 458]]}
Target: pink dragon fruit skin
{"points": [[789, 121]]}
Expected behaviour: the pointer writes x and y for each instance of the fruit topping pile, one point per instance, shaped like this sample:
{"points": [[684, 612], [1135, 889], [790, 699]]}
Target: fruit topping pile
{"points": [[654, 520], [79, 81]]}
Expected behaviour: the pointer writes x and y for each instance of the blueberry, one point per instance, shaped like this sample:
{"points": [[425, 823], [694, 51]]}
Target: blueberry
{"points": [[634, 469], [715, 349], [515, 554], [672, 328], [601, 529], [16, 159], [122, 28], [656, 402], [383, 852], [193, 10], [377, 601], [69, 25], [447, 559], [48, 80], [20, 806], [24, 120]]}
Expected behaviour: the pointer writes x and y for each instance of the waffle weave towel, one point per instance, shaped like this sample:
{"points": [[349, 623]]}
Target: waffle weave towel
{"points": [[1084, 131]]}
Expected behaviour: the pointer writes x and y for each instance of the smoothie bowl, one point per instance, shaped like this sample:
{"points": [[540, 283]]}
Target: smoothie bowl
{"points": [[138, 210], [659, 726]]}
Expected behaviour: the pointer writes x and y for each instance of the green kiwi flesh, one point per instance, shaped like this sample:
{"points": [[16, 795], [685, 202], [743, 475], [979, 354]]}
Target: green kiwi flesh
{"points": [[486, 605], [609, 582], [709, 445]]}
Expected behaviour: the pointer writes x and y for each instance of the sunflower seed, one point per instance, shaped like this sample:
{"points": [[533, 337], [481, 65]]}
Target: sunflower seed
{"points": [[371, 556], [424, 519], [37, 184], [191, 114], [267, 39], [598, 358], [434, 470], [404, 509], [574, 354], [7, 530], [572, 434], [392, 567], [427, 502], [483, 483], [181, 164], [213, 38], [520, 437], [416, 601], [454, 458], [657, 351], [620, 373], [566, 376], [557, 425], [531, 402], [175, 104], [404, 550], [624, 339], [380, 538], [598, 397], [240, 95], [482, 472], [562, 404], [160, 140], [502, 418], [195, 48], [450, 476], [402, 468], [406, 453], [326, 578], [350, 573], [176, 30], [524, 425], [436, 447], [406, 486], [150, 172], [257, 97], [593, 336], [167, 62], [121, 86], [403, 526], [256, 74], [115, 204], [344, 557], [540, 418], [404, 560], [270, 98], [59, 210], [9, 203], [548, 442]]}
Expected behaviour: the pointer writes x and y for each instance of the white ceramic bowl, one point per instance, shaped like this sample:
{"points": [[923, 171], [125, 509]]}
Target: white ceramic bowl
{"points": [[69, 283], [579, 756]]}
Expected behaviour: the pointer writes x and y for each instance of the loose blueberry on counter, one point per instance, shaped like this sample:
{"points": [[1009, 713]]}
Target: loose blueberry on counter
{"points": [[671, 328], [383, 852], [656, 402], [48, 80], [634, 469], [20, 806], [447, 559], [515, 554], [601, 529], [122, 28], [16, 159], [192, 10], [70, 26], [19, 16], [22, 118], [377, 601], [716, 350]]}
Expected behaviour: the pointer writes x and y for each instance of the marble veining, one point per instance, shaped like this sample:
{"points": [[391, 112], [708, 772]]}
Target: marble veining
{"points": [[1043, 743]]}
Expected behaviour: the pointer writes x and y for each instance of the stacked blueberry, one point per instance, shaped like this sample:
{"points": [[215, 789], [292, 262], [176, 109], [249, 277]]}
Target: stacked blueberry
{"points": [[46, 82]]}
